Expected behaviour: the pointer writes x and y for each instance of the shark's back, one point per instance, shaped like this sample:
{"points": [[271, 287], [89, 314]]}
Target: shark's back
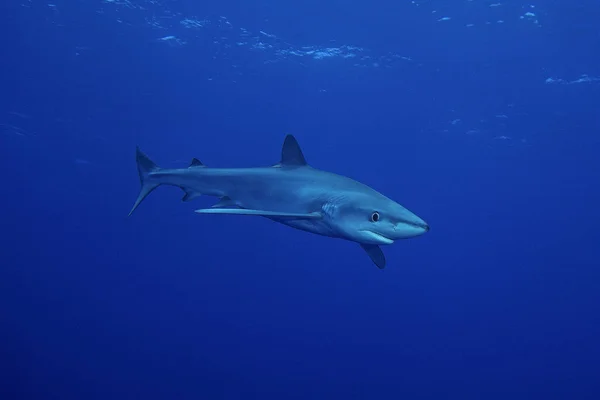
{"points": [[282, 188]]}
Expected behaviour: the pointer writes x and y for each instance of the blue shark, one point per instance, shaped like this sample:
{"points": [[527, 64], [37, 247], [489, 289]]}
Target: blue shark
{"points": [[294, 194]]}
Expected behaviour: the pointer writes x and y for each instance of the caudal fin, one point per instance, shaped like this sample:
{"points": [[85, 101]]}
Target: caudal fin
{"points": [[145, 167]]}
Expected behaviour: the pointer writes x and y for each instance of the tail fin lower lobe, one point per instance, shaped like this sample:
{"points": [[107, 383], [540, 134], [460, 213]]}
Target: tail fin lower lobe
{"points": [[145, 167]]}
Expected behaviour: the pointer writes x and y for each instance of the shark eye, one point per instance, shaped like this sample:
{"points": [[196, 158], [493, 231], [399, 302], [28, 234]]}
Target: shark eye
{"points": [[375, 217]]}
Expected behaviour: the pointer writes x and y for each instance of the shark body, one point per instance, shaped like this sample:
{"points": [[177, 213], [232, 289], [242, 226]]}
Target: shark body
{"points": [[294, 194]]}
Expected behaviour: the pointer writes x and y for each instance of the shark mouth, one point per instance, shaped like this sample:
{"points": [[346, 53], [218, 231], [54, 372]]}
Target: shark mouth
{"points": [[376, 238]]}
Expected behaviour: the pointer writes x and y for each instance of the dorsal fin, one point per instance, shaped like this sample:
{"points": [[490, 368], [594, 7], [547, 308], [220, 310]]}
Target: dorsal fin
{"points": [[196, 163], [291, 155]]}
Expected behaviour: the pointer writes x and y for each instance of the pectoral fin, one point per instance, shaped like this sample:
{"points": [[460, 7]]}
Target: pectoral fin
{"points": [[262, 213], [375, 253]]}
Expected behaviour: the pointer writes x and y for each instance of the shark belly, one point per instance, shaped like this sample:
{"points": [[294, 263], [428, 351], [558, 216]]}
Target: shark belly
{"points": [[318, 227], [294, 191], [274, 190]]}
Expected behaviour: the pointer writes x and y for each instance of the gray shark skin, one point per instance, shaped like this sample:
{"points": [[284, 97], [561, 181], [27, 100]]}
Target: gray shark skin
{"points": [[294, 194]]}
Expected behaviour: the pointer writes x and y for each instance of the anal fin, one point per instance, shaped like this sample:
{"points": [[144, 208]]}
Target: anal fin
{"points": [[190, 195]]}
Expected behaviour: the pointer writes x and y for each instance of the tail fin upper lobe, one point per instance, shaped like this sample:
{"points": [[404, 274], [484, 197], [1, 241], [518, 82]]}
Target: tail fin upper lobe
{"points": [[145, 167]]}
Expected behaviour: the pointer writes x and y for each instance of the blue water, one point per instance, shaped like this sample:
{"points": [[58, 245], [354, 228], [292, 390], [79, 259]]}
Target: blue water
{"points": [[481, 117]]}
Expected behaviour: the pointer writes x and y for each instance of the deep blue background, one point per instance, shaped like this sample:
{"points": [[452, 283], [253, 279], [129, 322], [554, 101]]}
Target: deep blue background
{"points": [[500, 300]]}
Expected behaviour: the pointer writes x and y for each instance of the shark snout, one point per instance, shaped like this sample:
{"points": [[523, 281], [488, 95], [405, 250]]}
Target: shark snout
{"points": [[412, 227]]}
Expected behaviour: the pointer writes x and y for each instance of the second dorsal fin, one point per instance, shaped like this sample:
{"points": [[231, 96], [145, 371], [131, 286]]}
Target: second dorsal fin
{"points": [[291, 154], [196, 163]]}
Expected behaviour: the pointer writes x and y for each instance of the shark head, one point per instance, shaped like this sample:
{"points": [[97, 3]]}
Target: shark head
{"points": [[374, 219]]}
